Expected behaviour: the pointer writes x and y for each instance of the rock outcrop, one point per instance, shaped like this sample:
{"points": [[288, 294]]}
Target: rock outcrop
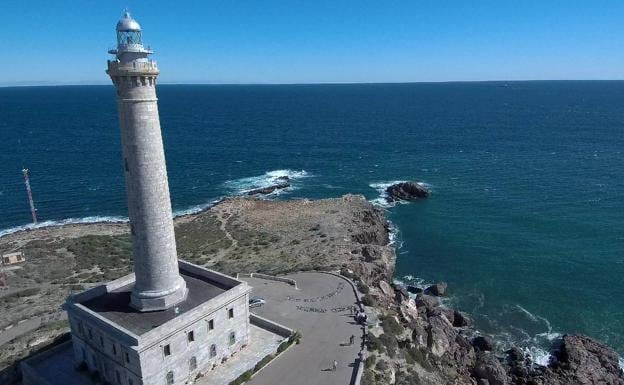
{"points": [[580, 360], [439, 289], [269, 189], [406, 191], [439, 347]]}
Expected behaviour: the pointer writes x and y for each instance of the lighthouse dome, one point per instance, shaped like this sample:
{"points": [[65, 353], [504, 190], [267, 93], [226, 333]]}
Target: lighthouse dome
{"points": [[128, 24]]}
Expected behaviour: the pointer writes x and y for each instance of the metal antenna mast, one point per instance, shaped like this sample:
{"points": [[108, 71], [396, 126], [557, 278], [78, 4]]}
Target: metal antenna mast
{"points": [[33, 210]]}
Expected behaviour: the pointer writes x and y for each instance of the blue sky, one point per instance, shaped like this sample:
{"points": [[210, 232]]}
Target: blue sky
{"points": [[294, 41]]}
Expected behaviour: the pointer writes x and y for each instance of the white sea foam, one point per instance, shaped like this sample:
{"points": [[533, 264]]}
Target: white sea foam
{"points": [[381, 187], [68, 221], [100, 219], [195, 209], [412, 281], [238, 186], [394, 236], [243, 185], [621, 362], [537, 355]]}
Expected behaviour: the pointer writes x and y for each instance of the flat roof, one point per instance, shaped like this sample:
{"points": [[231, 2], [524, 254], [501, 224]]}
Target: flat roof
{"points": [[115, 305]]}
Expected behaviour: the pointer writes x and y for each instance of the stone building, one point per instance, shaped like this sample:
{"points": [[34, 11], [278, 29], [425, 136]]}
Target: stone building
{"points": [[13, 258], [169, 320], [129, 347]]}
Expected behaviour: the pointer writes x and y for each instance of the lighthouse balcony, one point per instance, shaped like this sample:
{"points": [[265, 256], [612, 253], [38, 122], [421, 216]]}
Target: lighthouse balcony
{"points": [[131, 68]]}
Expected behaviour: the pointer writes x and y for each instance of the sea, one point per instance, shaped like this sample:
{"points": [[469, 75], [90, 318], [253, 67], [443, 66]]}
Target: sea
{"points": [[526, 217]]}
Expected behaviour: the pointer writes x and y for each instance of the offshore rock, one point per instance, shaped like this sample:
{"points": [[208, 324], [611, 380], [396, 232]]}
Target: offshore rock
{"points": [[269, 189], [438, 289], [406, 191], [414, 289]]}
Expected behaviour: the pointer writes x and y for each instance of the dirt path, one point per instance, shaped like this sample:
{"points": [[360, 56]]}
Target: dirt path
{"points": [[222, 226]]}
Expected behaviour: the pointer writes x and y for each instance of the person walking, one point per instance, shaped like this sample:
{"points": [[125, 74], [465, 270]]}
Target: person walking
{"points": [[351, 339], [334, 366]]}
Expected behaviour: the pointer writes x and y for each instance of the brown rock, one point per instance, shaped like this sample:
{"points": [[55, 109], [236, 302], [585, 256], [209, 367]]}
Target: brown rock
{"points": [[482, 343], [582, 361], [438, 289], [489, 368]]}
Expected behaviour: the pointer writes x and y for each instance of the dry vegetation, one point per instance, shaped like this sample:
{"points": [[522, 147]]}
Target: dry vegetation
{"points": [[237, 235]]}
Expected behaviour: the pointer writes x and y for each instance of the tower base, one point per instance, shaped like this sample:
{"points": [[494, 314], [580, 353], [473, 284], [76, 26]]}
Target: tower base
{"points": [[153, 301]]}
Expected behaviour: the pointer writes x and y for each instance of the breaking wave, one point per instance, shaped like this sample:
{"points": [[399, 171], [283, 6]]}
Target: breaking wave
{"points": [[236, 187], [244, 185], [68, 221], [536, 347]]}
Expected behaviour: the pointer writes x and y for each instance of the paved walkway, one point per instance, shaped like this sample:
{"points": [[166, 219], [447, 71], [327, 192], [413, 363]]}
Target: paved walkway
{"points": [[28, 325], [262, 343], [319, 310]]}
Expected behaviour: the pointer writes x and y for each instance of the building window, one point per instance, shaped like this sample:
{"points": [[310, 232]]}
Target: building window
{"points": [[90, 333], [126, 165], [170, 378], [231, 313], [167, 350], [118, 376], [80, 329], [101, 341], [232, 338], [193, 364], [211, 325], [190, 336], [114, 348], [127, 356], [213, 351]]}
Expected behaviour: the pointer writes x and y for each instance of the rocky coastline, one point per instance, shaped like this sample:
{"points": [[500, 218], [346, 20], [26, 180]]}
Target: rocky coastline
{"points": [[417, 340]]}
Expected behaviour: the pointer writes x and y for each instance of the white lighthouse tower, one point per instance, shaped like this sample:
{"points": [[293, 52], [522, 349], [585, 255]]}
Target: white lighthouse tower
{"points": [[158, 282]]}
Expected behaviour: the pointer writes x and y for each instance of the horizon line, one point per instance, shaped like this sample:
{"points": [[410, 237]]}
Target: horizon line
{"points": [[233, 83]]}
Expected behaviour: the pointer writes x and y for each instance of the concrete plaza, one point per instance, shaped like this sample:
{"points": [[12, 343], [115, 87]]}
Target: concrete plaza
{"points": [[319, 310]]}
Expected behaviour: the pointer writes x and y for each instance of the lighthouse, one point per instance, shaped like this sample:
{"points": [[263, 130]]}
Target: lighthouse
{"points": [[158, 284]]}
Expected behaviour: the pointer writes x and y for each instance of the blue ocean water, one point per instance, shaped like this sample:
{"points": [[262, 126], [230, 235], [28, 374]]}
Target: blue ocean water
{"points": [[525, 220]]}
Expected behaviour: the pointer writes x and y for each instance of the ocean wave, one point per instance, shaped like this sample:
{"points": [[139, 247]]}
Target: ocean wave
{"points": [[238, 186], [394, 236], [536, 347], [100, 219], [381, 187], [68, 221], [195, 209], [244, 185], [411, 281]]}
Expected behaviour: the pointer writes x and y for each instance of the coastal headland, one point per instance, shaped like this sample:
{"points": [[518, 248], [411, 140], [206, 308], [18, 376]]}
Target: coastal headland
{"points": [[415, 341]]}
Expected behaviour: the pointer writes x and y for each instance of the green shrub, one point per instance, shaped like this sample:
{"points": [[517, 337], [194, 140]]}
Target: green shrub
{"points": [[382, 365], [372, 342], [368, 300], [420, 356], [262, 363], [370, 361], [390, 343], [368, 378], [363, 288], [391, 326]]}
